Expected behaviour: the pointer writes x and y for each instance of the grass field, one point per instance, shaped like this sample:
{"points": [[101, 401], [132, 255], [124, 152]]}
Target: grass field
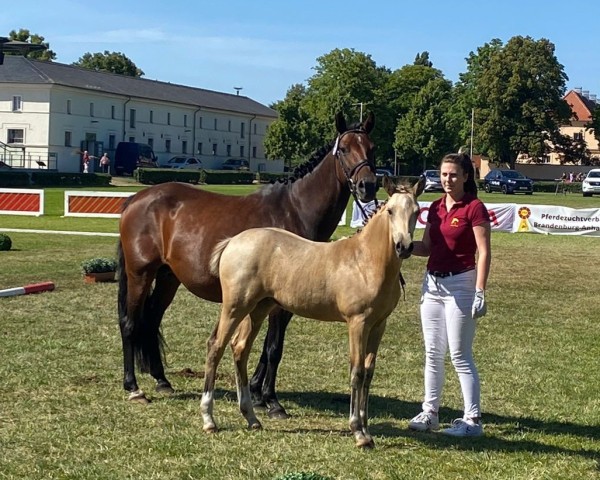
{"points": [[63, 413]]}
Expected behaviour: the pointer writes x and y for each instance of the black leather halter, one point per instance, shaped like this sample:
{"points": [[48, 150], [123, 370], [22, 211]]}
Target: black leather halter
{"points": [[349, 173]]}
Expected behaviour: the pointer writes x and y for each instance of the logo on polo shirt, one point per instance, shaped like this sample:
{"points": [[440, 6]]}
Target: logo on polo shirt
{"points": [[454, 222]]}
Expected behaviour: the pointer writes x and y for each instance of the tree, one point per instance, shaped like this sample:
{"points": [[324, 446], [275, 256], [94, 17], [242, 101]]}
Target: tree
{"points": [[346, 81], [424, 134], [423, 59], [291, 136], [518, 96], [113, 62], [23, 35]]}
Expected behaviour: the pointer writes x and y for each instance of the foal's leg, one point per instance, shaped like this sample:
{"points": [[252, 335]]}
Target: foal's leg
{"points": [[241, 346], [263, 381], [357, 336], [165, 288], [216, 344], [373, 343]]}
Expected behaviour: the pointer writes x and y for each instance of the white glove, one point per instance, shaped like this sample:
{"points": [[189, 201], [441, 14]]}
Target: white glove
{"points": [[479, 308]]}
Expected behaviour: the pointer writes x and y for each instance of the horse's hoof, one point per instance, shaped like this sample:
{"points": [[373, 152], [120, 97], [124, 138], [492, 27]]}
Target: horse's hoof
{"points": [[255, 426], [210, 429], [168, 389], [278, 413], [138, 397]]}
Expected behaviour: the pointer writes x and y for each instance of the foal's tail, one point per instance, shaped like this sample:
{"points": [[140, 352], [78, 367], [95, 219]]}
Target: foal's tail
{"points": [[215, 258]]}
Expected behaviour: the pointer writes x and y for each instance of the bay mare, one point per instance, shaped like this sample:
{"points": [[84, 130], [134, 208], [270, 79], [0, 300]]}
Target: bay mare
{"points": [[168, 233], [355, 280]]}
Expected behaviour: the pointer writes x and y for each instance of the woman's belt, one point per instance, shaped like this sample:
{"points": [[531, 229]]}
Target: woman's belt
{"points": [[435, 273]]}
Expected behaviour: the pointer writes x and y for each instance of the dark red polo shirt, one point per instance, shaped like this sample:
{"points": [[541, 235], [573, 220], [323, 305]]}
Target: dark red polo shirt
{"points": [[451, 234]]}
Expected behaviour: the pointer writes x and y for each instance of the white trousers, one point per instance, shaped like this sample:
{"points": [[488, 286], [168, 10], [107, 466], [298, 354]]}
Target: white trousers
{"points": [[447, 323]]}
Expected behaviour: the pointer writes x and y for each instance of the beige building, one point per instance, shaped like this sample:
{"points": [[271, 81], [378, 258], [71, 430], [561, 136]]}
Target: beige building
{"points": [[51, 112]]}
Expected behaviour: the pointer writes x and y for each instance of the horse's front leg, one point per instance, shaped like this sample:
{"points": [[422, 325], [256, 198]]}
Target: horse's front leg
{"points": [[358, 341], [262, 385]]}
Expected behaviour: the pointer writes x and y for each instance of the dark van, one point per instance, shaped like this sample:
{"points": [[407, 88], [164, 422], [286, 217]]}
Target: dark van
{"points": [[131, 155]]}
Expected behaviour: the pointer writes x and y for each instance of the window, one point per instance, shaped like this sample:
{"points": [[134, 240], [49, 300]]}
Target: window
{"points": [[132, 118], [15, 135], [242, 129], [151, 116], [185, 122], [255, 129], [229, 150], [253, 152], [199, 148], [68, 107], [91, 109], [168, 145], [113, 111], [17, 105], [215, 123], [184, 146], [200, 122], [241, 150], [131, 139], [578, 136], [151, 143], [168, 119], [214, 151], [111, 141], [68, 139], [229, 125]]}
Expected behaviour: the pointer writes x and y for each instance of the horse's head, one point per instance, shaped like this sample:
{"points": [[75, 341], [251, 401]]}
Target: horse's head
{"points": [[403, 209], [354, 150]]}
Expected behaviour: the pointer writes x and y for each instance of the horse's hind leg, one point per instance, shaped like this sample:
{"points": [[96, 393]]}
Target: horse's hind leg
{"points": [[262, 385], [165, 288], [241, 346]]}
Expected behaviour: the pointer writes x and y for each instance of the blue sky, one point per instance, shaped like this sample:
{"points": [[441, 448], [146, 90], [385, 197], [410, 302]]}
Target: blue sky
{"points": [[267, 46]]}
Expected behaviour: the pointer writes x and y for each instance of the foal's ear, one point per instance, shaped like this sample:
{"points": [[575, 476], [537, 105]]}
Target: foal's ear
{"points": [[369, 122], [419, 186], [340, 122], [389, 185]]}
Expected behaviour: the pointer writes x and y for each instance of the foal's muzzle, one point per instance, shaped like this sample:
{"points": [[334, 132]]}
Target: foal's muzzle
{"points": [[402, 251]]}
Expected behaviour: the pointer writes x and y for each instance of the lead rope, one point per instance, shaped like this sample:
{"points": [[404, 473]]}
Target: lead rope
{"points": [[402, 285]]}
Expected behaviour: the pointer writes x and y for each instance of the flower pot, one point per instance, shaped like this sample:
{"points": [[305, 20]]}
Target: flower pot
{"points": [[99, 277]]}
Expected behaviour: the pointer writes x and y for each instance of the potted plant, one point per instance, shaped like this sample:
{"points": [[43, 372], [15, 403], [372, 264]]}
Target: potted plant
{"points": [[99, 269]]}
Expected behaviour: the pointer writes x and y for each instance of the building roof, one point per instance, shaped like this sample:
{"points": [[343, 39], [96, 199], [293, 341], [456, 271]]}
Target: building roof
{"points": [[581, 105], [18, 69]]}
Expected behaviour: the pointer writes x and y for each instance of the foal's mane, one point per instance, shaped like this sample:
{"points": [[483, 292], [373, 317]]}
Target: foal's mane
{"points": [[317, 157], [400, 188]]}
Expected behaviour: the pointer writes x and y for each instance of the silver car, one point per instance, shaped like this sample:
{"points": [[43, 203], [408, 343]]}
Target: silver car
{"points": [[433, 182], [591, 183], [183, 161]]}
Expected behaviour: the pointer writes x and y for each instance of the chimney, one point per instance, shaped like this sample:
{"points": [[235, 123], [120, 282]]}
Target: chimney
{"points": [[593, 97], [586, 93], [577, 90]]}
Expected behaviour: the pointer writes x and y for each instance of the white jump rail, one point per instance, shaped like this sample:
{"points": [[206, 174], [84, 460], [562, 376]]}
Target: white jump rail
{"points": [[21, 201], [94, 204]]}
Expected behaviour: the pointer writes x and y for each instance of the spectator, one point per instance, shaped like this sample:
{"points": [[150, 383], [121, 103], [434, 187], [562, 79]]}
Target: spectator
{"points": [[105, 163]]}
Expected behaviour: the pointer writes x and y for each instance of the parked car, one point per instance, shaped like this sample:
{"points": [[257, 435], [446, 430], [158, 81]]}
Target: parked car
{"points": [[433, 182], [183, 161], [507, 181], [382, 172], [591, 183], [235, 164]]}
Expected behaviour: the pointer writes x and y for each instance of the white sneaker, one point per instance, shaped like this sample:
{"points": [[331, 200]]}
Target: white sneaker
{"points": [[425, 422], [464, 428]]}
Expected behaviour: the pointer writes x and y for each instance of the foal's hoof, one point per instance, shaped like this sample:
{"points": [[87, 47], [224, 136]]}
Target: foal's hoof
{"points": [[278, 413], [138, 397], [366, 443], [255, 426], [210, 429]]}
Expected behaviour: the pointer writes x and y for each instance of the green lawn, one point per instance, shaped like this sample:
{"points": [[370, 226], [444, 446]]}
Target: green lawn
{"points": [[63, 413]]}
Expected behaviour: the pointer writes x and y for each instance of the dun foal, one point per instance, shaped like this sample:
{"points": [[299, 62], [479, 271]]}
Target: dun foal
{"points": [[355, 280]]}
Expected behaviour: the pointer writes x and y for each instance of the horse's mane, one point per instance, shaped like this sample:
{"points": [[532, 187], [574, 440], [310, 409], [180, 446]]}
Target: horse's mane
{"points": [[317, 157]]}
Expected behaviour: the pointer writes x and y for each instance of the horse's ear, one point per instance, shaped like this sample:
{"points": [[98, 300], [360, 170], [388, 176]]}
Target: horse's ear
{"points": [[389, 185], [369, 122], [340, 122], [419, 186]]}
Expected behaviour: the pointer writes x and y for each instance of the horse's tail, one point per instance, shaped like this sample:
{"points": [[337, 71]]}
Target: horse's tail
{"points": [[215, 258], [143, 331]]}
